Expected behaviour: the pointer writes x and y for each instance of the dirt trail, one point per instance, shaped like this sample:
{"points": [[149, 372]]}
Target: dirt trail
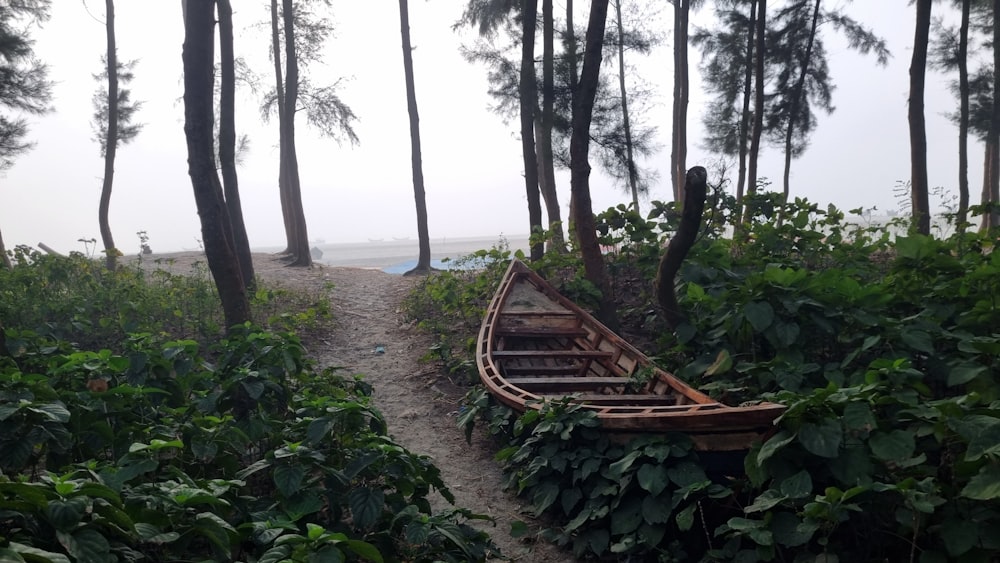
{"points": [[371, 338]]}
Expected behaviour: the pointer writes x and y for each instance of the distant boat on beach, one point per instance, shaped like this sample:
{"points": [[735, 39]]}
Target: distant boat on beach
{"points": [[400, 238], [376, 240]]}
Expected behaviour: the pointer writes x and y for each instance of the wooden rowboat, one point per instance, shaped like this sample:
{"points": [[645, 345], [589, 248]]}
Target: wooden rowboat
{"points": [[535, 344]]}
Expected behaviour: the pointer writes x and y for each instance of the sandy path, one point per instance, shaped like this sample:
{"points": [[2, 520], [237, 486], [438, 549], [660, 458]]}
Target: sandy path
{"points": [[371, 338]]}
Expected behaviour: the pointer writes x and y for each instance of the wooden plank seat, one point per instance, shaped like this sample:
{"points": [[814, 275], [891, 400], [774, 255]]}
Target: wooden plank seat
{"points": [[514, 371], [567, 384], [572, 354], [602, 399], [541, 332]]}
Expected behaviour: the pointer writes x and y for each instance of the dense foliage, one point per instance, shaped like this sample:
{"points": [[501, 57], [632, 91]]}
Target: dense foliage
{"points": [[883, 345], [163, 449]]}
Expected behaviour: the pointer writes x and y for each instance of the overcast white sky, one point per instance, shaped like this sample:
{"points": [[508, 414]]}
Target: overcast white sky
{"points": [[472, 165]]}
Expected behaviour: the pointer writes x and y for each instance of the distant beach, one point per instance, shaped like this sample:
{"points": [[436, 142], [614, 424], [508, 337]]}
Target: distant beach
{"points": [[399, 255]]}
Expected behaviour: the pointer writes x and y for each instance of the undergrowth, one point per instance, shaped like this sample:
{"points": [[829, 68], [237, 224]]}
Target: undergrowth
{"points": [[172, 443], [883, 345]]}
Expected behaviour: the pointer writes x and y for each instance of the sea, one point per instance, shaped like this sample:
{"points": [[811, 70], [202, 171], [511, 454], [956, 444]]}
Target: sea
{"points": [[397, 256]]}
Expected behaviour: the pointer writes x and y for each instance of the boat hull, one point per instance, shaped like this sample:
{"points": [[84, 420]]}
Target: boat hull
{"points": [[536, 345]]}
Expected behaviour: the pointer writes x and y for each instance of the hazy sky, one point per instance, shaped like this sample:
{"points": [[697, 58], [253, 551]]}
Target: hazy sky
{"points": [[472, 166]]}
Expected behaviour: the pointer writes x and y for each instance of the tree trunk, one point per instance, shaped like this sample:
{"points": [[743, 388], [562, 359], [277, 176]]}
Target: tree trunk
{"points": [[629, 161], [569, 41], [993, 139], [962, 215], [199, 95], [528, 93], [579, 147], [695, 186], [111, 144], [989, 171], [227, 144], [797, 94], [416, 161], [4, 259], [302, 255], [745, 116], [918, 127], [758, 101], [280, 95], [546, 163], [678, 153]]}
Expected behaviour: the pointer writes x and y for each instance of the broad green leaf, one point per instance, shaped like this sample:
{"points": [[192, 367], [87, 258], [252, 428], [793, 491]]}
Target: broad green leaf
{"points": [[797, 486], [275, 554], [723, 363], [892, 446], [653, 478], [823, 438], [85, 544], [417, 532], [651, 535], [569, 498], [685, 518], [543, 496], [918, 340], [655, 510], [519, 529], [627, 517], [985, 442], [760, 314], [53, 411], [789, 531], [965, 373], [858, 416], [784, 335], [598, 540], [985, 485], [781, 439], [618, 468], [686, 473], [766, 501], [366, 505], [66, 514], [959, 535], [364, 549], [16, 552], [288, 478]]}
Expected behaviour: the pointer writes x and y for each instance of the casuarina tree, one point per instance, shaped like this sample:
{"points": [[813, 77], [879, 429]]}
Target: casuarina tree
{"points": [[24, 85]]}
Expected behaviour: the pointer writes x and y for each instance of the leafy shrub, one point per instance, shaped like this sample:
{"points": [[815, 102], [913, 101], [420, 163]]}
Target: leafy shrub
{"points": [[255, 456], [882, 344]]}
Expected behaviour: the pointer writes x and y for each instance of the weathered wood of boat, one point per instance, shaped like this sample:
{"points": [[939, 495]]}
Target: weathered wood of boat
{"points": [[536, 344]]}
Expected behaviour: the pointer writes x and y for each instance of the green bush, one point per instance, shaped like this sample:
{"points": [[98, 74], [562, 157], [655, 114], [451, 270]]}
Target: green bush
{"points": [[254, 456], [883, 345]]}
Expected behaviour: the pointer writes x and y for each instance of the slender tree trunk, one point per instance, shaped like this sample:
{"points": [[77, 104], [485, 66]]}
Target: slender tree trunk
{"points": [[4, 259], [300, 242], [573, 79], [797, 93], [111, 145], [528, 93], [989, 171], [758, 101], [546, 164], [629, 161], [678, 154], [993, 139], [280, 95], [963, 118], [745, 115], [918, 130], [579, 147], [227, 144], [416, 161], [199, 86]]}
